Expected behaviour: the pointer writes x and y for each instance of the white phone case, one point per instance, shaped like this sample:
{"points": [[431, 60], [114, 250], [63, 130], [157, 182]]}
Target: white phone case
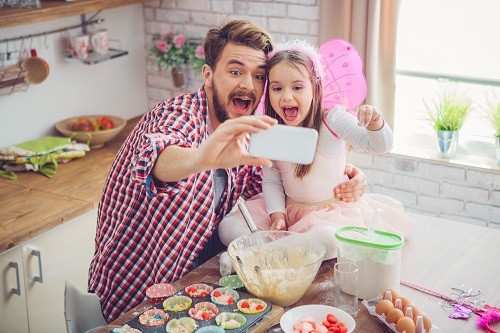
{"points": [[285, 143]]}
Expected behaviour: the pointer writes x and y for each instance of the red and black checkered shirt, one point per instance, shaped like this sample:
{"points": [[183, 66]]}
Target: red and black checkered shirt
{"points": [[149, 232]]}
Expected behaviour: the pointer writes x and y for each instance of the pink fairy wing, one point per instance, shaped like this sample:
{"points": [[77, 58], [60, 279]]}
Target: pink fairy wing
{"points": [[343, 80]]}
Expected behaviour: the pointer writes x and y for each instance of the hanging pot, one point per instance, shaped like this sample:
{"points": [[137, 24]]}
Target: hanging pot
{"points": [[178, 77], [447, 143]]}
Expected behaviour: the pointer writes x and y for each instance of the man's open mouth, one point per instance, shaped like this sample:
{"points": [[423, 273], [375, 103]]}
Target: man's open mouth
{"points": [[241, 103]]}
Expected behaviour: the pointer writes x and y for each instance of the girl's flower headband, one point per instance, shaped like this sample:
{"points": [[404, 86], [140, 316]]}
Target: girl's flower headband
{"points": [[302, 47]]}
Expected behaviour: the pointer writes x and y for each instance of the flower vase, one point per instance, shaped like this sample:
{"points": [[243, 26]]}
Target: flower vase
{"points": [[178, 77], [447, 143]]}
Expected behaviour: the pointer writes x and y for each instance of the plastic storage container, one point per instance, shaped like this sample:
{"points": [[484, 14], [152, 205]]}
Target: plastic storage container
{"points": [[377, 254]]}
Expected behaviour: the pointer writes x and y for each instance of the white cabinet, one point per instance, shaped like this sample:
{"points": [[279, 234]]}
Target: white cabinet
{"points": [[43, 265], [13, 312]]}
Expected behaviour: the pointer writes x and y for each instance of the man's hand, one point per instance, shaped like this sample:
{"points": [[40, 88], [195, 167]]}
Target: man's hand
{"points": [[354, 188], [225, 147]]}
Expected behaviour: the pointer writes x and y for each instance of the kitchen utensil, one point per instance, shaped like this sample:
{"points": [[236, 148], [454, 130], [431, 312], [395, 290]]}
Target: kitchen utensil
{"points": [[99, 40], [260, 242], [377, 255], [37, 69], [318, 313], [345, 287], [282, 283]]}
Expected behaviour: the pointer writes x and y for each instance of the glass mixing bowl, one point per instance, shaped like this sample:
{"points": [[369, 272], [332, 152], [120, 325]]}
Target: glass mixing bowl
{"points": [[278, 266]]}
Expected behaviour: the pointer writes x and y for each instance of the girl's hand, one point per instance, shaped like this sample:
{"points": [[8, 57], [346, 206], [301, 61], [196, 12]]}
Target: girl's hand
{"points": [[278, 224], [369, 117], [278, 221], [354, 188]]}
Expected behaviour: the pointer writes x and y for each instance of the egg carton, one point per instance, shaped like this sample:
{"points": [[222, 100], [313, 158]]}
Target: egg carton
{"points": [[251, 319], [371, 304]]}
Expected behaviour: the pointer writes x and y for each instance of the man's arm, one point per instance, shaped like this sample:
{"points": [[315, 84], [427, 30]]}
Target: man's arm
{"points": [[224, 148]]}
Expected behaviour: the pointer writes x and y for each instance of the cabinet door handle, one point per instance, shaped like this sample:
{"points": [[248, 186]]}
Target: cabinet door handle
{"points": [[38, 278], [17, 290]]}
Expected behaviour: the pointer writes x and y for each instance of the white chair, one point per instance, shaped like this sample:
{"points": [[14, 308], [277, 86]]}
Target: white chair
{"points": [[82, 310]]}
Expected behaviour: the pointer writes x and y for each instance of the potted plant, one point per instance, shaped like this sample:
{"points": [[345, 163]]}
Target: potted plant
{"points": [[492, 113], [173, 51], [447, 116]]}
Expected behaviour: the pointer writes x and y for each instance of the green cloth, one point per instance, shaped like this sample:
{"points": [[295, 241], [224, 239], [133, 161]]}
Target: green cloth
{"points": [[41, 154], [45, 145]]}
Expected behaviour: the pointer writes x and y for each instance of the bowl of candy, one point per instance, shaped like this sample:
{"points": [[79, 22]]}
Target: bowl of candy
{"points": [[276, 265]]}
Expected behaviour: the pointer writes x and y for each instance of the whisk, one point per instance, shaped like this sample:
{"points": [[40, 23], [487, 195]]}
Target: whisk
{"points": [[260, 242]]}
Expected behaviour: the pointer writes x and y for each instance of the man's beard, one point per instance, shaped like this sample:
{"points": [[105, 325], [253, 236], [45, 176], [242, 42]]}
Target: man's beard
{"points": [[220, 110]]}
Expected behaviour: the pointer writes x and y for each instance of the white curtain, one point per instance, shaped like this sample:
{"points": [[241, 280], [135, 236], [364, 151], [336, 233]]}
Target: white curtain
{"points": [[371, 26]]}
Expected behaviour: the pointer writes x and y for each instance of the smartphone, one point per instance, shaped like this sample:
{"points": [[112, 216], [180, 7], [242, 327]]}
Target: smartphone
{"points": [[285, 143]]}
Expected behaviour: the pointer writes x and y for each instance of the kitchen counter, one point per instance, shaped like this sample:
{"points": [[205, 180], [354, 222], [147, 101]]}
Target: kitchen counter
{"points": [[34, 204]]}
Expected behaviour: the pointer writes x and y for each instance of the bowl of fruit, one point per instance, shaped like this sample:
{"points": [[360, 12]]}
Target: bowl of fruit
{"points": [[95, 130]]}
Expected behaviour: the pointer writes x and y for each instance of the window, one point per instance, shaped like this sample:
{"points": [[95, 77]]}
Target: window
{"points": [[439, 42]]}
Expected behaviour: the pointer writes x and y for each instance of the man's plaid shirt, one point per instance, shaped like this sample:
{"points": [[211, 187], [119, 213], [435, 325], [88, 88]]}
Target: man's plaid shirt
{"points": [[149, 232]]}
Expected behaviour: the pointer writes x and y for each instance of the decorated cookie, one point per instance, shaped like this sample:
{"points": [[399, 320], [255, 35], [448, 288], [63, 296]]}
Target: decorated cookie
{"points": [[198, 290], [159, 292], [251, 305], [224, 296], [203, 311], [126, 329], [231, 281], [153, 317], [230, 321], [177, 303], [181, 325], [210, 329]]}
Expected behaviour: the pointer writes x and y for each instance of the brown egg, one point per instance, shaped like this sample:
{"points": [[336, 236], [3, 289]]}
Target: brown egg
{"points": [[393, 316], [405, 324], [405, 302], [384, 306], [395, 294], [414, 310], [426, 320]]}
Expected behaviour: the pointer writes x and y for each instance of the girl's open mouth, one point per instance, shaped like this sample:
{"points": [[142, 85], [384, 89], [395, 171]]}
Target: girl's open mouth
{"points": [[290, 112]]}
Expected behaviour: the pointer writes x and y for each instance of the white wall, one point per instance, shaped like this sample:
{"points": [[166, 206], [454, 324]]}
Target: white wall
{"points": [[115, 87]]}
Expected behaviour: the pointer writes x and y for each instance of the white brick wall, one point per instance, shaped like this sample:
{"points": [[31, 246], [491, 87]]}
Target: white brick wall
{"points": [[423, 186], [434, 188], [284, 19]]}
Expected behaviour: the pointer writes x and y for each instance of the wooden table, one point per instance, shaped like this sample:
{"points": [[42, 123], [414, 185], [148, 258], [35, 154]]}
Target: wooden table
{"points": [[439, 255]]}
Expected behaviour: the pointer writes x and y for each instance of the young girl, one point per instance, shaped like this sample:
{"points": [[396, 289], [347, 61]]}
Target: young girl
{"points": [[299, 197]]}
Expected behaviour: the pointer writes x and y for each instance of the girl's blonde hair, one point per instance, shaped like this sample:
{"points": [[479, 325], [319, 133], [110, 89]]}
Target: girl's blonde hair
{"points": [[296, 54]]}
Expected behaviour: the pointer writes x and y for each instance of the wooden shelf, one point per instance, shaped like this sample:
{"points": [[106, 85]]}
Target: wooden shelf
{"points": [[51, 10]]}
